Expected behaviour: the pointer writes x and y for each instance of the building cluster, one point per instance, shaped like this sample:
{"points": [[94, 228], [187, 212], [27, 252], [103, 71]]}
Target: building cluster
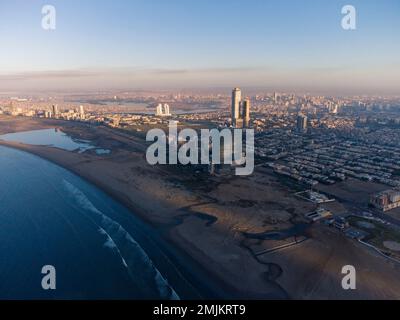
{"points": [[53, 112], [70, 114], [240, 111], [340, 223], [327, 158], [162, 110], [131, 121], [312, 139], [386, 200]]}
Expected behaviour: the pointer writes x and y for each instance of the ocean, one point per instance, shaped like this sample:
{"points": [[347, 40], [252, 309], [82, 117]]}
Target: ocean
{"points": [[99, 249]]}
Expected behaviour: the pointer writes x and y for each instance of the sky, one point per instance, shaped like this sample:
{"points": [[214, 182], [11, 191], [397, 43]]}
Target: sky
{"points": [[165, 44]]}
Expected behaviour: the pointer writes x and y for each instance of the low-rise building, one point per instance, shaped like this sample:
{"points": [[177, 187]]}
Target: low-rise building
{"points": [[386, 200], [340, 223]]}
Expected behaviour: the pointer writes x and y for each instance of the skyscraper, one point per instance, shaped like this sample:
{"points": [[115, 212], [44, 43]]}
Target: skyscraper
{"points": [[159, 110], [333, 108], [162, 110], [236, 98], [166, 110], [54, 110], [301, 123], [246, 112], [81, 112], [275, 97]]}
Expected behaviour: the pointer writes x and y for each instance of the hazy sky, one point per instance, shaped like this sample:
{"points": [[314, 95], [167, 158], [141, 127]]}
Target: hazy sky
{"points": [[282, 44]]}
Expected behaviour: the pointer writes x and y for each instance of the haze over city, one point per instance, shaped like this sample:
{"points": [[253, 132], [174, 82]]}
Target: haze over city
{"points": [[285, 45]]}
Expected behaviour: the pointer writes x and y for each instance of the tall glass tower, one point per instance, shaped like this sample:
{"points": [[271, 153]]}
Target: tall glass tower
{"points": [[236, 98]]}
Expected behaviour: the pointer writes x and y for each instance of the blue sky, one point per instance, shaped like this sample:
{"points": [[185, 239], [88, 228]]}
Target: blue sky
{"points": [[137, 43]]}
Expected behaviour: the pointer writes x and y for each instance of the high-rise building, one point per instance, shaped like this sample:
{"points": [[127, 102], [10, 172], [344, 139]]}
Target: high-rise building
{"points": [[81, 112], [159, 110], [54, 110], [166, 110], [301, 123], [333, 108], [162, 110], [275, 97], [236, 98], [246, 112]]}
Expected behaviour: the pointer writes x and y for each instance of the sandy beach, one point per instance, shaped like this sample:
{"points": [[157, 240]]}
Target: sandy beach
{"points": [[205, 218]]}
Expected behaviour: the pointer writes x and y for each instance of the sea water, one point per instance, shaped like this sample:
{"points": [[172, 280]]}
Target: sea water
{"points": [[49, 216]]}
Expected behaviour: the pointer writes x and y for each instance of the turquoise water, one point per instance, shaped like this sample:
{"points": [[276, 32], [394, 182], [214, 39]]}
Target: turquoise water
{"points": [[53, 138], [49, 216], [102, 151]]}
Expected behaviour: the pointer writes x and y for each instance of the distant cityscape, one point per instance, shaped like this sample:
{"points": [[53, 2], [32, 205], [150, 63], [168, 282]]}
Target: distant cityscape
{"points": [[311, 139]]}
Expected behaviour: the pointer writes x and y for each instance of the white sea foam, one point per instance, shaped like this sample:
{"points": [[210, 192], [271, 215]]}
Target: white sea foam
{"points": [[132, 255], [110, 244]]}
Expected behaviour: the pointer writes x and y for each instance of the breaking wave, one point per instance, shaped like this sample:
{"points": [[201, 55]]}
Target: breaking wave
{"points": [[139, 266]]}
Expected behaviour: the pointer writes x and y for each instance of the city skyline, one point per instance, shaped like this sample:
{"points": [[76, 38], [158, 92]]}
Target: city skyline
{"points": [[136, 45]]}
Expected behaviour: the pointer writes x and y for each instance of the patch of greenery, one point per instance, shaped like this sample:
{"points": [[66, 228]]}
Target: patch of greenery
{"points": [[377, 235]]}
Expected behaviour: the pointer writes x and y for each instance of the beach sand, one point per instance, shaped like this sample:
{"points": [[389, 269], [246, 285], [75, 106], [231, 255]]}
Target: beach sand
{"points": [[205, 217]]}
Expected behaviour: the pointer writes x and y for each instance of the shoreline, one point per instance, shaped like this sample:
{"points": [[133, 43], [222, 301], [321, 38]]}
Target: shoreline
{"points": [[200, 222], [207, 285]]}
